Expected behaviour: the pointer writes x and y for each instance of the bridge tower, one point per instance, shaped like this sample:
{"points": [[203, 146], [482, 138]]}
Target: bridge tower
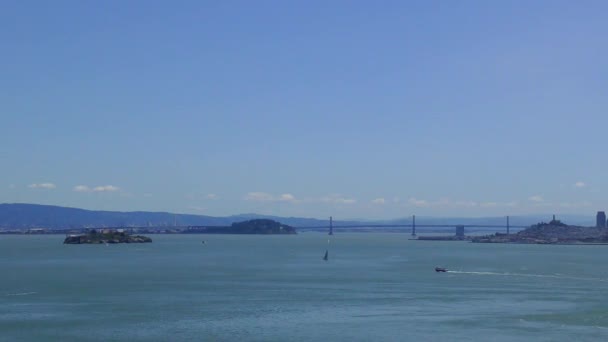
{"points": [[331, 226], [508, 225], [413, 225]]}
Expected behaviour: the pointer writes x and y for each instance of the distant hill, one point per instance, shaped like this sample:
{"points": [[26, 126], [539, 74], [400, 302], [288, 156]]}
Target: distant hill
{"points": [[25, 216]]}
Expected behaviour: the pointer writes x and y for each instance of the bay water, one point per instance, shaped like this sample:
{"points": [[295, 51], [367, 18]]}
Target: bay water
{"points": [[374, 287]]}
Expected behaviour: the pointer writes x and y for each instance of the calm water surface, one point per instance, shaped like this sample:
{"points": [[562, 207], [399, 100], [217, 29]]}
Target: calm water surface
{"points": [[379, 287]]}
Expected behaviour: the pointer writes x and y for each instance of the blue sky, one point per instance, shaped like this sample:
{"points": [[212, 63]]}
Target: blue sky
{"points": [[307, 108]]}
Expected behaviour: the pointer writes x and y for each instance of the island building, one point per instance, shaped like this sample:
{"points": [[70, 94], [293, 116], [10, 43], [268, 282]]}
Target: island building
{"points": [[600, 219]]}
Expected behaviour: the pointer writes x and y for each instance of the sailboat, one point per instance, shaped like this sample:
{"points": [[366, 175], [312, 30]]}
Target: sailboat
{"points": [[331, 232]]}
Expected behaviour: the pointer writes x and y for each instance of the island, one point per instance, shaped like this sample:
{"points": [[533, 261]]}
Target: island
{"points": [[554, 232], [105, 236], [256, 226]]}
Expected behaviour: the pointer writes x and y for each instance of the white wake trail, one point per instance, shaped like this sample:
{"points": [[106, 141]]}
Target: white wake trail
{"points": [[507, 274], [21, 294]]}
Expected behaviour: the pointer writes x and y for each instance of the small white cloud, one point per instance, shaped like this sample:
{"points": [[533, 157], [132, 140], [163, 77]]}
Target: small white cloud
{"points": [[287, 198], [418, 202], [466, 203], [106, 188], [42, 186], [100, 188], [266, 197], [580, 184], [536, 198], [446, 202], [338, 199], [488, 204], [259, 197], [211, 196], [81, 188], [378, 201]]}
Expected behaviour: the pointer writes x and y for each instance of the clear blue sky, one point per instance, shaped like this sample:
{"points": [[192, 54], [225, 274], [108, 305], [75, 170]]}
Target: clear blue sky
{"points": [[356, 109]]}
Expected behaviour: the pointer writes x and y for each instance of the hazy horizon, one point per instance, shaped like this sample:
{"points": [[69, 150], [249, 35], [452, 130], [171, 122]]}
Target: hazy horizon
{"points": [[562, 216]]}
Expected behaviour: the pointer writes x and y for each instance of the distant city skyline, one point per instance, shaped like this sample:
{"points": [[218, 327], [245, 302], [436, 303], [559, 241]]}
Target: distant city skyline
{"points": [[307, 109]]}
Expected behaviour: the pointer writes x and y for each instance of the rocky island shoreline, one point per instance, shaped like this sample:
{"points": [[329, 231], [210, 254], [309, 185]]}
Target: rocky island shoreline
{"points": [[554, 232], [94, 237]]}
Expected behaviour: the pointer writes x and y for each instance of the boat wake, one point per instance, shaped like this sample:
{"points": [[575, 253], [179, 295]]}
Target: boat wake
{"points": [[508, 274], [21, 294]]}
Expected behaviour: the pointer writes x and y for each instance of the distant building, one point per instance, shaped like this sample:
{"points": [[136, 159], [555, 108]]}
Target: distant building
{"points": [[36, 231], [460, 232], [601, 219]]}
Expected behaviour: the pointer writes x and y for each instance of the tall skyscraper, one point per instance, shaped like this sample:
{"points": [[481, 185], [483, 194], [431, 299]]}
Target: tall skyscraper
{"points": [[601, 219]]}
